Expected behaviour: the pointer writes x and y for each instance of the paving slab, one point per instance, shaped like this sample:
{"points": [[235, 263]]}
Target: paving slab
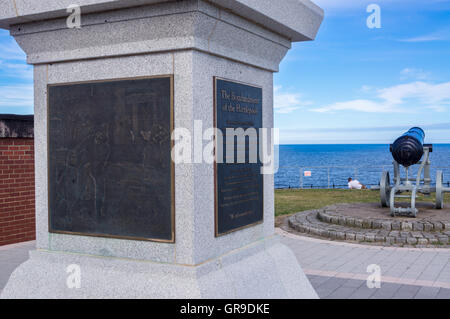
{"points": [[427, 293], [443, 294], [386, 291], [341, 293], [407, 292], [363, 292], [405, 272]]}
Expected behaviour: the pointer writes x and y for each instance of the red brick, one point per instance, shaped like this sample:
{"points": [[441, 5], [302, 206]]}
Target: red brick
{"points": [[17, 198]]}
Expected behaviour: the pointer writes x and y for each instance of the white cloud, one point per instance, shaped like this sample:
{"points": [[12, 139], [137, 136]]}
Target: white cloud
{"points": [[359, 106], [400, 98], [13, 61], [425, 38], [366, 89], [437, 108], [442, 34], [10, 50], [286, 102], [416, 74], [351, 4], [16, 70], [16, 95], [328, 4], [426, 93]]}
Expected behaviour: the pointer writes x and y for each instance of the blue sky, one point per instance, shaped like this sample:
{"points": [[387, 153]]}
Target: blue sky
{"points": [[351, 85], [359, 85], [16, 78]]}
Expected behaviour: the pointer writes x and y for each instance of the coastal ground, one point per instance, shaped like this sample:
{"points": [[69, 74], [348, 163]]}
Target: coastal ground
{"points": [[291, 201]]}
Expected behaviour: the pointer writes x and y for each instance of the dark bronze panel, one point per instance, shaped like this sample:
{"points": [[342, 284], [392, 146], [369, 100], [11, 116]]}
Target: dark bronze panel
{"points": [[110, 168], [239, 186]]}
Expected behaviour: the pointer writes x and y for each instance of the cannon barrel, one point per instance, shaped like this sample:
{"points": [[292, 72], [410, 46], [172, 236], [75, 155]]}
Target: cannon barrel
{"points": [[407, 150]]}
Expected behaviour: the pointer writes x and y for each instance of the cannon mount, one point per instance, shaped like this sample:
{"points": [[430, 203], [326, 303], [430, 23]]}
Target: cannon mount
{"points": [[413, 186]]}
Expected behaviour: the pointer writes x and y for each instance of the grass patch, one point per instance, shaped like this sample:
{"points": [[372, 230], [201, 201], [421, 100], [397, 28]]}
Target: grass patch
{"points": [[290, 201]]}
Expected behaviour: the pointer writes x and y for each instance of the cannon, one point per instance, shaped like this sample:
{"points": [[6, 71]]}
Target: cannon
{"points": [[408, 150]]}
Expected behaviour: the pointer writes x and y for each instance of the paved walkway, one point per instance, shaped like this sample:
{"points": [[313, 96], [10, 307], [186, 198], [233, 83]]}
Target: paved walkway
{"points": [[339, 270], [336, 269], [12, 256]]}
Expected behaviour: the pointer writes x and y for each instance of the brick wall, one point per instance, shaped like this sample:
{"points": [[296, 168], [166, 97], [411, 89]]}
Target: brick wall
{"points": [[17, 205]]}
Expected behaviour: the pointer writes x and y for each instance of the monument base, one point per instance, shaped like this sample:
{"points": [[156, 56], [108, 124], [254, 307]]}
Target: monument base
{"points": [[266, 269]]}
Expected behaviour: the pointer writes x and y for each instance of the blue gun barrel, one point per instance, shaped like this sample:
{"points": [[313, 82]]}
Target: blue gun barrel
{"points": [[407, 150]]}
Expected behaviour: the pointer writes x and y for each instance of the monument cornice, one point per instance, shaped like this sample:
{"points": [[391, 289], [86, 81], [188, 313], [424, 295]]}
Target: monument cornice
{"points": [[298, 20], [187, 25]]}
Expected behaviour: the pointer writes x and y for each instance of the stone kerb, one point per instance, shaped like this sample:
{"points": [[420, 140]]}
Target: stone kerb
{"points": [[329, 216], [327, 224]]}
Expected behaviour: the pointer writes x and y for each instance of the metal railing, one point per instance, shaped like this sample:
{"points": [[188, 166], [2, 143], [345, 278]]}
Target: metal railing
{"points": [[332, 177]]}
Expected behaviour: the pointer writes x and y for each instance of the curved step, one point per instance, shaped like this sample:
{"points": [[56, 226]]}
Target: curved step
{"points": [[329, 216], [309, 222]]}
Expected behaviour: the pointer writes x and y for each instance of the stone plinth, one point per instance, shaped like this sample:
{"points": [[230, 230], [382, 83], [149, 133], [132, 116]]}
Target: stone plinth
{"points": [[193, 41]]}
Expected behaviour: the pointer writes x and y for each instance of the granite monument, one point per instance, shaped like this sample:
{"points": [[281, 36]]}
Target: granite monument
{"points": [[116, 217]]}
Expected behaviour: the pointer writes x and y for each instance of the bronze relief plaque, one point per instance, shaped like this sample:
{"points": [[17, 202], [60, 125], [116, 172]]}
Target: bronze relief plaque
{"points": [[109, 159], [238, 184]]}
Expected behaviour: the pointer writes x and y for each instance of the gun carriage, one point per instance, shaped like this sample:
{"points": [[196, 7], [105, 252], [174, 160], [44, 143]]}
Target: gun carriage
{"points": [[408, 150]]}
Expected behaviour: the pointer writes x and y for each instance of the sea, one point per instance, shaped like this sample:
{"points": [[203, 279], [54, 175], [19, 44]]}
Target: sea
{"points": [[330, 166]]}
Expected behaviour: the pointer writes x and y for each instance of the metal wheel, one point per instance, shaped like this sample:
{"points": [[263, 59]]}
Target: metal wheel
{"points": [[392, 201], [413, 202], [439, 190], [385, 189]]}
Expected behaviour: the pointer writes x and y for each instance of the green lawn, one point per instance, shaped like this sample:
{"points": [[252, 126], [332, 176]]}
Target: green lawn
{"points": [[289, 201]]}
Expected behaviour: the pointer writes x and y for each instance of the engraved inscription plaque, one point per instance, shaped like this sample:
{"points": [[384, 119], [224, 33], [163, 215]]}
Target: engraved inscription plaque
{"points": [[238, 178], [109, 162]]}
